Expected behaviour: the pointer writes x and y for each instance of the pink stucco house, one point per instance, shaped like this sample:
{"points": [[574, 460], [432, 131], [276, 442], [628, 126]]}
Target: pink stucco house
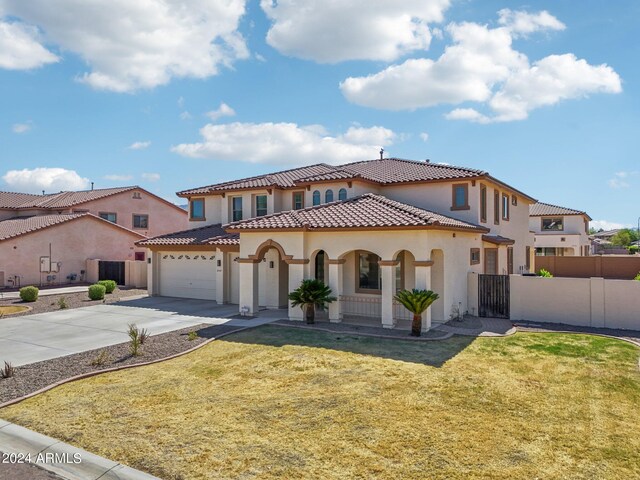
{"points": [[47, 239]]}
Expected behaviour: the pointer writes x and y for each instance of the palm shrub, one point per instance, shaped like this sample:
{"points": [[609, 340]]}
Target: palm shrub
{"points": [[637, 277], [96, 292], [544, 273], [29, 294], [417, 302], [109, 285], [311, 294]]}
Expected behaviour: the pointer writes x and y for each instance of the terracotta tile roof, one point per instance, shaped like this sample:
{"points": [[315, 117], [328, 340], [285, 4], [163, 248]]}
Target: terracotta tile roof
{"points": [[284, 179], [209, 235], [384, 171], [16, 201], [366, 211], [498, 240], [14, 227], [541, 209]]}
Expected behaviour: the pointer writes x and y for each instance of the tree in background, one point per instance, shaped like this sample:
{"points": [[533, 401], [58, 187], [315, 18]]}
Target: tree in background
{"points": [[624, 237]]}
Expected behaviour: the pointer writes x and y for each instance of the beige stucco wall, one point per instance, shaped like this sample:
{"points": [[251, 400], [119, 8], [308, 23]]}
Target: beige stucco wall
{"points": [[163, 217], [594, 302], [72, 243], [573, 236]]}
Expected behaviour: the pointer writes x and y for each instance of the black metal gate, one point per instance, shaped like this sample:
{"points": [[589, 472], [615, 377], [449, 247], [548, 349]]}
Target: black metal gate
{"points": [[493, 296], [111, 271]]}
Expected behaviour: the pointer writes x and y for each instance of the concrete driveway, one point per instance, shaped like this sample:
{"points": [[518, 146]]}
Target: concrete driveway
{"points": [[33, 338]]}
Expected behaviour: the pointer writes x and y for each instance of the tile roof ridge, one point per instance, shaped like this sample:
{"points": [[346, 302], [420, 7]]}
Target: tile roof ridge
{"points": [[415, 162], [556, 206]]}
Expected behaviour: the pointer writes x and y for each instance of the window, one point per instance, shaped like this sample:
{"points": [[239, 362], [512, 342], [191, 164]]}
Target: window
{"points": [[319, 266], [298, 200], [140, 221], [552, 224], [514, 200], [328, 196], [496, 207], [369, 275], [549, 251], [236, 208], [342, 194], [460, 200], [475, 256], [505, 206], [261, 205], [196, 209], [510, 260], [483, 203], [316, 197], [110, 217], [139, 256]]}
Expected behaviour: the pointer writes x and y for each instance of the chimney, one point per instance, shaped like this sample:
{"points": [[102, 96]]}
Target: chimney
{"points": [[91, 185], [381, 153]]}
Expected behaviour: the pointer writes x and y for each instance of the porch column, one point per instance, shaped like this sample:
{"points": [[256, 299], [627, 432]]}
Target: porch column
{"points": [[296, 275], [248, 285], [221, 285], [388, 268], [423, 282], [335, 283]]}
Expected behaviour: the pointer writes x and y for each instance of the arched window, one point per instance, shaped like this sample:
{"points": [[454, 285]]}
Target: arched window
{"points": [[328, 196], [316, 197], [342, 194], [319, 266]]}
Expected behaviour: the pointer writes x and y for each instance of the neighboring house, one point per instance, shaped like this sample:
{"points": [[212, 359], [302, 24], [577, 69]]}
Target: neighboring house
{"points": [[559, 231], [366, 229], [43, 231], [605, 236]]}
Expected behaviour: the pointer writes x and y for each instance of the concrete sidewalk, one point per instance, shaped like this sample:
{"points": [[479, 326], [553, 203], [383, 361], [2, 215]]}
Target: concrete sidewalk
{"points": [[33, 338], [62, 459]]}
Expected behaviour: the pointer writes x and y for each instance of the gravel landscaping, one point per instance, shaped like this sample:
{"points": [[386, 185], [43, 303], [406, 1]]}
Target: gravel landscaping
{"points": [[33, 377], [49, 303]]}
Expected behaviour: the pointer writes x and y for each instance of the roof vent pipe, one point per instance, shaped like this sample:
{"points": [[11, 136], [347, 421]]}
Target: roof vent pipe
{"points": [[427, 160], [381, 153], [42, 192], [91, 185]]}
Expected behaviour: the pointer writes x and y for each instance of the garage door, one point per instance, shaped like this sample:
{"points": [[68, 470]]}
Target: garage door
{"points": [[191, 275]]}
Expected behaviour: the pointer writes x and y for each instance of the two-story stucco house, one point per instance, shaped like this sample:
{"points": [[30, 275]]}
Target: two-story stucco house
{"points": [[366, 229], [559, 231], [47, 239]]}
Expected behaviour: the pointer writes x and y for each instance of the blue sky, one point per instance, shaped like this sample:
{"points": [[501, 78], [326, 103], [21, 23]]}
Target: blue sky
{"points": [[174, 94]]}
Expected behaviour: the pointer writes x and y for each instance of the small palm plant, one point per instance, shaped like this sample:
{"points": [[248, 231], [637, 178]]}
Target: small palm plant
{"points": [[311, 294], [417, 302]]}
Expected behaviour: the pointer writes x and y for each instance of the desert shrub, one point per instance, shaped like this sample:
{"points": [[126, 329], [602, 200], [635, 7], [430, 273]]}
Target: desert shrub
{"points": [[8, 371], [96, 292], [637, 277], [100, 359], [544, 273], [62, 303], [110, 285], [633, 249], [143, 335], [134, 342], [29, 294], [192, 336]]}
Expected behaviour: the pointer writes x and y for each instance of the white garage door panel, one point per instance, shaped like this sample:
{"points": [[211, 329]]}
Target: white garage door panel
{"points": [[191, 275]]}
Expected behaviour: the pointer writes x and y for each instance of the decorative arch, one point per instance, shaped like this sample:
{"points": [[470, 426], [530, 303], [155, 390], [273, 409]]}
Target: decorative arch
{"points": [[264, 246], [342, 194]]}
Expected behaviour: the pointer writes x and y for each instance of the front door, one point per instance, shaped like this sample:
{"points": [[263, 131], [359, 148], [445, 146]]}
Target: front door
{"points": [[491, 261]]}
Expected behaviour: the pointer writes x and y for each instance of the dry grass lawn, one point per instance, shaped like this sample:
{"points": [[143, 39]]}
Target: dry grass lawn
{"points": [[286, 403], [10, 309]]}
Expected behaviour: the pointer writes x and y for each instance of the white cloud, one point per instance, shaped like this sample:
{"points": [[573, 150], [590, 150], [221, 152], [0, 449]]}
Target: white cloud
{"points": [[21, 127], [151, 177], [223, 110], [606, 225], [118, 178], [139, 145], [482, 66], [48, 179], [621, 180], [285, 143], [185, 115], [334, 31], [181, 102], [131, 45], [522, 23], [424, 136], [20, 47]]}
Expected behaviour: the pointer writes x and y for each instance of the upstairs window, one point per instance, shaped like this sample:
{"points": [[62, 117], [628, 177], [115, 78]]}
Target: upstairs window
{"points": [[342, 194], [460, 197], [496, 207], [196, 209], [483, 203], [140, 221], [505, 206], [552, 224], [110, 217], [328, 196], [316, 197], [298, 200], [261, 205], [236, 208]]}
